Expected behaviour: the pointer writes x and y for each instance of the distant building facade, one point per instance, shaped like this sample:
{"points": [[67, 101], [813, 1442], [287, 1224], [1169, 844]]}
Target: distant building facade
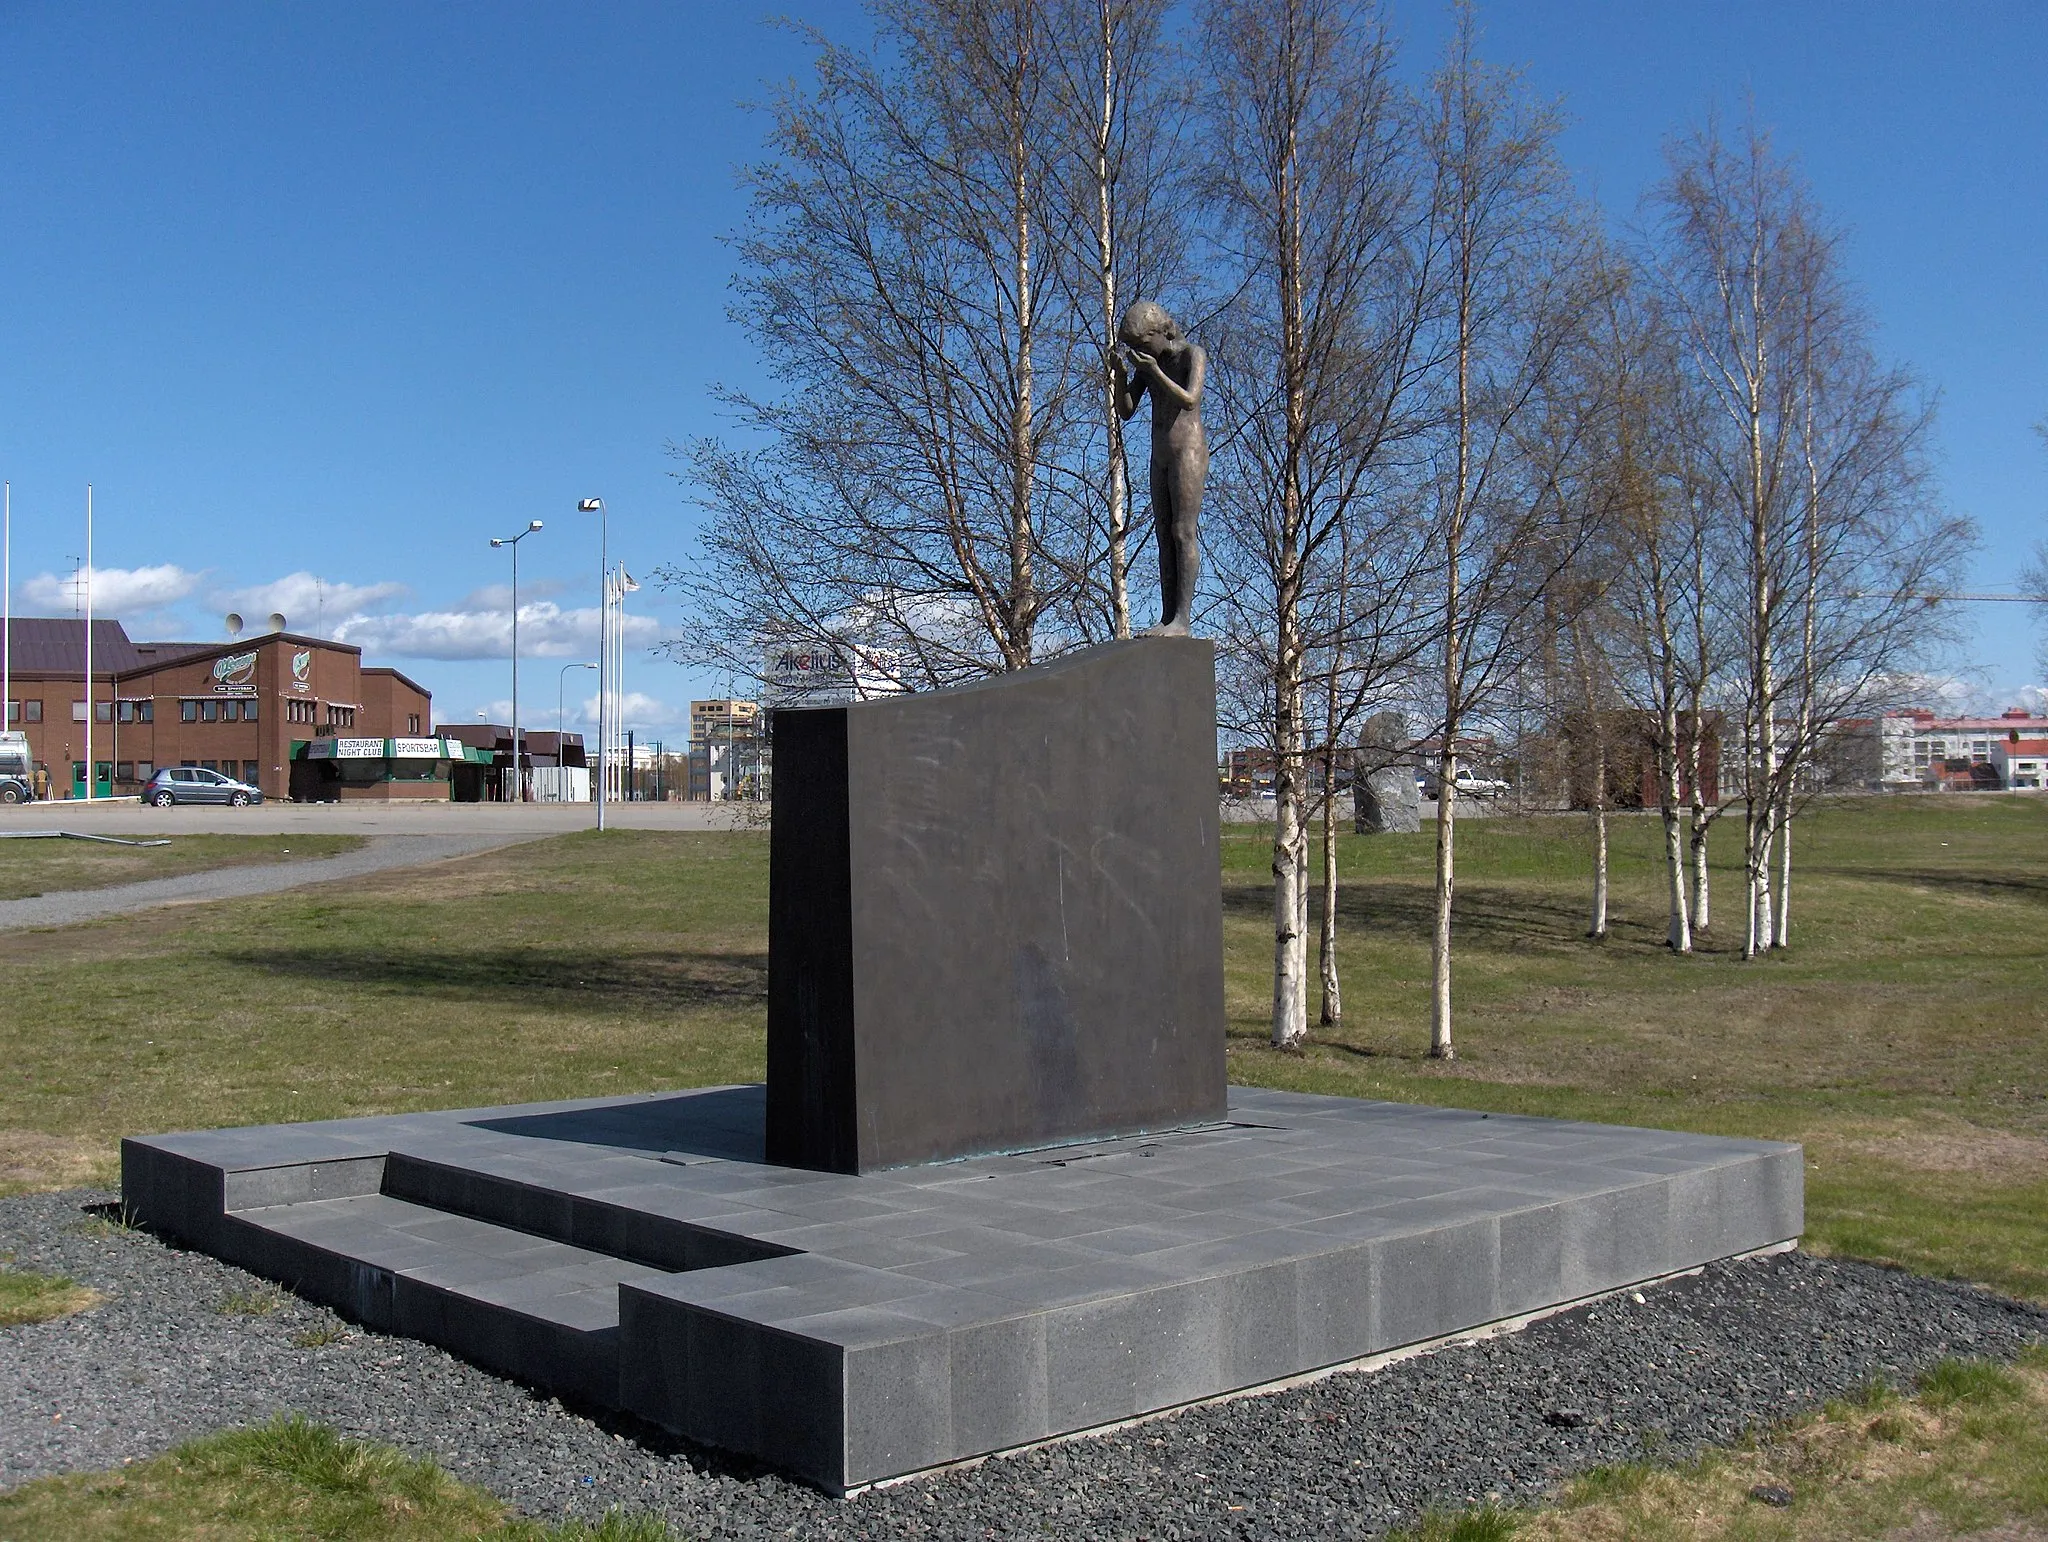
{"points": [[728, 755], [249, 708], [1916, 749]]}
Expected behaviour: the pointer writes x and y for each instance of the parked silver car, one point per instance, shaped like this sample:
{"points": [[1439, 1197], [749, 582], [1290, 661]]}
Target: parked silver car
{"points": [[196, 784]]}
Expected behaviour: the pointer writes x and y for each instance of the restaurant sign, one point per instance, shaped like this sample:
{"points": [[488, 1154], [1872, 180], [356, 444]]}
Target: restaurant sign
{"points": [[235, 675]]}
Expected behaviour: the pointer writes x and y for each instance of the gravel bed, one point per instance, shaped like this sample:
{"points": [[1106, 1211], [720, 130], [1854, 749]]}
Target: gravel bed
{"points": [[177, 1351]]}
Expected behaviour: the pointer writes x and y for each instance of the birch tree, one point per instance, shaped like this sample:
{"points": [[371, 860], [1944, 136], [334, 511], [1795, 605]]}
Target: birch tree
{"points": [[1819, 454], [1510, 264], [1314, 358], [1124, 110], [1651, 596], [895, 276]]}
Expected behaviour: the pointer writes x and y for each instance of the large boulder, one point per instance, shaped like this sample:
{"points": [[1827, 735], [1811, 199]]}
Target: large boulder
{"points": [[1384, 797]]}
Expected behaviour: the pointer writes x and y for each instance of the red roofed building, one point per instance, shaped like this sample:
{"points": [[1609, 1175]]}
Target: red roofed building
{"points": [[248, 708]]}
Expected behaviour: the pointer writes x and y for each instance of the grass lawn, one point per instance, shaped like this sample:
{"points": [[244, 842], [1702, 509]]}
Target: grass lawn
{"points": [[287, 1479], [576, 966], [32, 867], [1903, 1038], [1966, 1453], [26, 1297]]}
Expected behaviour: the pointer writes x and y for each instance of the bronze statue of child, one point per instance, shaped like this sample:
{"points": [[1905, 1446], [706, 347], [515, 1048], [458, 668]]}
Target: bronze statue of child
{"points": [[1162, 361]]}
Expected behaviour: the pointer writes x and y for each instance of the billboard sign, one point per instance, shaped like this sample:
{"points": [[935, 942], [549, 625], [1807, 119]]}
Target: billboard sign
{"points": [[235, 674], [811, 674], [419, 749], [302, 670]]}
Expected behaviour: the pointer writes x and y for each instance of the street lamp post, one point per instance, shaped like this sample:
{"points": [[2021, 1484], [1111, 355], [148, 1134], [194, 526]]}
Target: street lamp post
{"points": [[561, 682], [596, 506], [518, 780]]}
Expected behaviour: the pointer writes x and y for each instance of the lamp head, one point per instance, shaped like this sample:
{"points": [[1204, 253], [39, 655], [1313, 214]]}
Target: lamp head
{"points": [[496, 542], [590, 506], [533, 525]]}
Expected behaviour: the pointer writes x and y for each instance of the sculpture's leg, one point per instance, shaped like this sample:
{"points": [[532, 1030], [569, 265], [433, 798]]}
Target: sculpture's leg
{"points": [[1166, 521], [1190, 475]]}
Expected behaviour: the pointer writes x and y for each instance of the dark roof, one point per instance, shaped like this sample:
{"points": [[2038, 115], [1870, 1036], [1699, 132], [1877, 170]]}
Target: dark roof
{"points": [[155, 655], [386, 669], [55, 645], [482, 736], [177, 653]]}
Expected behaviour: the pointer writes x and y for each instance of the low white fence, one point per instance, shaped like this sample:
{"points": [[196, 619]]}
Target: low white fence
{"points": [[558, 784]]}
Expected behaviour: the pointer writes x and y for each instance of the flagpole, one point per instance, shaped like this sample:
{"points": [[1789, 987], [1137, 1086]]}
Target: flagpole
{"points": [[7, 605], [88, 643]]}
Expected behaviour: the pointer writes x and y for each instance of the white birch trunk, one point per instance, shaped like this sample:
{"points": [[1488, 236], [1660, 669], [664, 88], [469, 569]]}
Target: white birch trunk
{"points": [[1105, 257], [1333, 993], [1290, 869]]}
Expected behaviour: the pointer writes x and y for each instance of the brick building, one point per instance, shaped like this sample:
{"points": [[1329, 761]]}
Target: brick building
{"points": [[248, 708]]}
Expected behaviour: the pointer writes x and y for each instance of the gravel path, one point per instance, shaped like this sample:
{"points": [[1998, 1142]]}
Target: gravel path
{"points": [[373, 856], [174, 1353]]}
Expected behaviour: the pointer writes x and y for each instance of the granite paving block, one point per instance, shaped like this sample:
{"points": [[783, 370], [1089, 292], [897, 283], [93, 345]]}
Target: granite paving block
{"points": [[638, 1254]]}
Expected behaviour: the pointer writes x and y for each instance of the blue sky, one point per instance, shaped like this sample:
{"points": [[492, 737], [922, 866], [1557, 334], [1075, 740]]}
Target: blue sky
{"points": [[321, 298]]}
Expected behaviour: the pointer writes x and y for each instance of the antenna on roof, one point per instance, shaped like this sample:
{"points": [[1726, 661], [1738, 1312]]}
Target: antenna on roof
{"points": [[233, 621], [277, 621]]}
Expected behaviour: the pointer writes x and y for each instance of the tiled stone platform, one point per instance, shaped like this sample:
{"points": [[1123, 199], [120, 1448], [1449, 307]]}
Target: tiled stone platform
{"points": [[637, 1254]]}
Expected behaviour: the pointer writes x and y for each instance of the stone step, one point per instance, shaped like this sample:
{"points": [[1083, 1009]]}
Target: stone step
{"points": [[523, 1305], [468, 1183]]}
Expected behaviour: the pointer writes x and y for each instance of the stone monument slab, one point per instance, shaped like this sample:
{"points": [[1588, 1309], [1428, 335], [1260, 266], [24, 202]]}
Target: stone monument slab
{"points": [[995, 913]]}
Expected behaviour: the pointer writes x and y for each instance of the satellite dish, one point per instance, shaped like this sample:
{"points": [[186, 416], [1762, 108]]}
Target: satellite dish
{"points": [[234, 623], [277, 621]]}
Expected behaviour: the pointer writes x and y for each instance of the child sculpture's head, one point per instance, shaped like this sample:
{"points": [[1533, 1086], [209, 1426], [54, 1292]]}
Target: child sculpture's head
{"points": [[1146, 326]]}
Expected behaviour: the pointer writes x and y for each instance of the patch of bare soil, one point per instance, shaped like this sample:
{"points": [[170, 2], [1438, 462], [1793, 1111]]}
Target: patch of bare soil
{"points": [[29, 1159], [1929, 1528], [1943, 1145]]}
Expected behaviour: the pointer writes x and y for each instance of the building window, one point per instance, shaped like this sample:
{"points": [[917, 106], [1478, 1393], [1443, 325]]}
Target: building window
{"points": [[126, 712], [188, 711], [124, 770], [341, 717], [230, 711], [209, 712], [249, 771], [145, 712], [32, 711], [78, 716], [208, 765], [412, 722], [297, 711], [144, 770], [188, 762], [104, 711], [249, 710]]}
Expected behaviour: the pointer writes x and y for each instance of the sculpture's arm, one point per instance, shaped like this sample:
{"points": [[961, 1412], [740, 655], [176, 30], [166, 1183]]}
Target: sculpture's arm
{"points": [[1198, 370], [1129, 388]]}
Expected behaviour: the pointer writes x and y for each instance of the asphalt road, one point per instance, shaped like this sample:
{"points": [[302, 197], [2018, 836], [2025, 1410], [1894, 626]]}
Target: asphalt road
{"points": [[517, 820], [376, 854]]}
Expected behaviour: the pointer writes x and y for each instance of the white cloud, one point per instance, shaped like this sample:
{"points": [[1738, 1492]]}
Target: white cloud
{"points": [[546, 631], [642, 713], [308, 602], [114, 590], [639, 711]]}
